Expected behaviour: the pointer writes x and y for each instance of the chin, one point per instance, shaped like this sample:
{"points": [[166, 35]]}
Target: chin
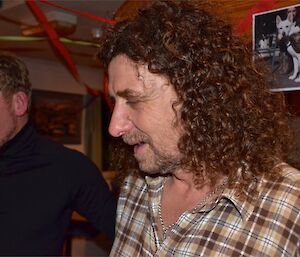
{"points": [[153, 165], [157, 170], [148, 169]]}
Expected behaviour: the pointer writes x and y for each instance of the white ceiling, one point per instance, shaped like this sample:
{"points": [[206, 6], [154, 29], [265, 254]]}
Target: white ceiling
{"points": [[15, 12]]}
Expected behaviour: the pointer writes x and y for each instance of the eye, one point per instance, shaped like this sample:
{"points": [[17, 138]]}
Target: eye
{"points": [[132, 102]]}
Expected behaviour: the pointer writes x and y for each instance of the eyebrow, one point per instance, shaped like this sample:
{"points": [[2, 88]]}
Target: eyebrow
{"points": [[128, 93]]}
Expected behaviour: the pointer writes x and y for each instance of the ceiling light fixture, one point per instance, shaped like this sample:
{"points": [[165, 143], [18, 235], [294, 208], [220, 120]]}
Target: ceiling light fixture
{"points": [[63, 23]]}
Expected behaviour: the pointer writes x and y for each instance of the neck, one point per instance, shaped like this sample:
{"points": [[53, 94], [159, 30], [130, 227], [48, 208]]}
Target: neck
{"points": [[181, 194], [185, 179], [21, 122]]}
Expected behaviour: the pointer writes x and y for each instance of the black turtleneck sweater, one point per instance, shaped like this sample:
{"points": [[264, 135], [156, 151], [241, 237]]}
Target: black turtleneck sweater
{"points": [[41, 183]]}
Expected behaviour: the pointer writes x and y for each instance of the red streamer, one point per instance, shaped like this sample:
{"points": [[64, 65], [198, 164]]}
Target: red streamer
{"points": [[106, 93], [61, 49], [54, 38]]}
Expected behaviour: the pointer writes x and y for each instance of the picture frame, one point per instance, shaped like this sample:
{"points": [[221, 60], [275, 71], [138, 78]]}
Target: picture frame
{"points": [[57, 116], [270, 42]]}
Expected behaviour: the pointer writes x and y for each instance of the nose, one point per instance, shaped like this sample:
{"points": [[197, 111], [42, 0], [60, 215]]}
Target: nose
{"points": [[120, 122]]}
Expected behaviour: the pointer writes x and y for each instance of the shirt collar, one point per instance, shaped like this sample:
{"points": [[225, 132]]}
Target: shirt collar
{"points": [[244, 207], [155, 186]]}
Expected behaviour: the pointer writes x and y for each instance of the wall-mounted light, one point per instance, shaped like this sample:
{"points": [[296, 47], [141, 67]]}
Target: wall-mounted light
{"points": [[96, 32]]}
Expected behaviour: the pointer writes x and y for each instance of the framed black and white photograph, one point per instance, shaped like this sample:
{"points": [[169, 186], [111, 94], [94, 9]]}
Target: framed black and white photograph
{"points": [[276, 38]]}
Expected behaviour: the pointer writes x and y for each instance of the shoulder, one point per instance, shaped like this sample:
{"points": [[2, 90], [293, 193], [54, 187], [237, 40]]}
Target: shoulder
{"points": [[132, 185], [48, 147], [133, 182], [284, 191], [132, 198], [290, 176], [64, 157]]}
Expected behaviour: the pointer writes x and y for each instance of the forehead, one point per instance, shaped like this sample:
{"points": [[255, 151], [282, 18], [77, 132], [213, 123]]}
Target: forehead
{"points": [[121, 68], [292, 9], [125, 74]]}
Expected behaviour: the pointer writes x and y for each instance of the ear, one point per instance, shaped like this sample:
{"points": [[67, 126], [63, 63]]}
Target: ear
{"points": [[290, 17], [20, 103], [278, 19]]}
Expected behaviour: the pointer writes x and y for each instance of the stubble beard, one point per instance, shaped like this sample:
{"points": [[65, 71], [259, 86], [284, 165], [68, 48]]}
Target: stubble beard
{"points": [[164, 163], [155, 161]]}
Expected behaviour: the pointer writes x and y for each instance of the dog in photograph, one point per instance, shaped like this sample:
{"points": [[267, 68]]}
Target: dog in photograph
{"points": [[286, 30]]}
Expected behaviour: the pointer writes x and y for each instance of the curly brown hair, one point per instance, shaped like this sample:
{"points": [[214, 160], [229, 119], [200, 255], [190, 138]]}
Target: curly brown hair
{"points": [[234, 125]]}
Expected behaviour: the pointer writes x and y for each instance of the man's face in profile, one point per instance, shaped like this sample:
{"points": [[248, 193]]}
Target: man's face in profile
{"points": [[143, 114]]}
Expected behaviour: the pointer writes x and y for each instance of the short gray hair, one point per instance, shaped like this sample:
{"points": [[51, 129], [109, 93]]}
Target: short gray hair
{"points": [[14, 76]]}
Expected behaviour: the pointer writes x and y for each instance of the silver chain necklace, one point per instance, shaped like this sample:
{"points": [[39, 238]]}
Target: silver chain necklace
{"points": [[164, 227], [219, 189]]}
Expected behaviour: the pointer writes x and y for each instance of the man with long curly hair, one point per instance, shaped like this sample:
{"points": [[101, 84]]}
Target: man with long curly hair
{"points": [[209, 138]]}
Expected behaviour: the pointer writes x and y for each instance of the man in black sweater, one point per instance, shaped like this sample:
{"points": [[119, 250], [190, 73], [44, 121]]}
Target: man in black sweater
{"points": [[41, 182]]}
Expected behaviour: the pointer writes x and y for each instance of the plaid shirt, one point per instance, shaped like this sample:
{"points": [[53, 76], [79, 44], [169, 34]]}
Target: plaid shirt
{"points": [[268, 225]]}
